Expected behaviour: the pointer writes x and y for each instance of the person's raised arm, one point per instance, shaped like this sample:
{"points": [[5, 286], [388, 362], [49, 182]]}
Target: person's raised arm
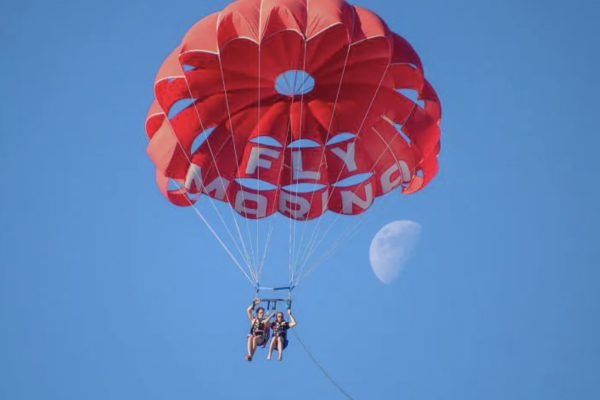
{"points": [[270, 317], [293, 322], [251, 308]]}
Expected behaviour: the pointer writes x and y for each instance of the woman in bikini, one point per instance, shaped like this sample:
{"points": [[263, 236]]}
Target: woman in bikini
{"points": [[280, 328], [258, 328]]}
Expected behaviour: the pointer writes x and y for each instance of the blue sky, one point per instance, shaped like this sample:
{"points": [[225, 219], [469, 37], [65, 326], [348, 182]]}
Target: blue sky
{"points": [[109, 292]]}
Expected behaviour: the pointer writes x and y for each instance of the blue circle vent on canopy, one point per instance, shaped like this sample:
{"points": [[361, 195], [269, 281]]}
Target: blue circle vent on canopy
{"points": [[294, 82]]}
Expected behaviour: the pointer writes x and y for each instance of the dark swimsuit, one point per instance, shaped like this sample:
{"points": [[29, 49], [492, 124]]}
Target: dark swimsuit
{"points": [[280, 330], [258, 328]]}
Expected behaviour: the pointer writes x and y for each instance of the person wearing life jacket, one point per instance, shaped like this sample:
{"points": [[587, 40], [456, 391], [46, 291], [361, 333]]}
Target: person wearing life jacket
{"points": [[279, 329], [259, 328]]}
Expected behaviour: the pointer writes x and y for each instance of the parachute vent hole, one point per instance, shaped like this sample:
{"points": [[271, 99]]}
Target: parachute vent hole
{"points": [[266, 141], [201, 138], [420, 173], [303, 144], [353, 180], [255, 184], [294, 83], [412, 95], [179, 106], [188, 68], [341, 137], [303, 187]]}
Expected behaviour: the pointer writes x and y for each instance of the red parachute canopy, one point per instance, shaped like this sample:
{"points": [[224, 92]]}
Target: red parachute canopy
{"points": [[285, 93]]}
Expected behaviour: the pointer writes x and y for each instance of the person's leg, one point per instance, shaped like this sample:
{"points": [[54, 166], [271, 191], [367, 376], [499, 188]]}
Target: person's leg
{"points": [[280, 348], [249, 346], [256, 341], [259, 341], [271, 347]]}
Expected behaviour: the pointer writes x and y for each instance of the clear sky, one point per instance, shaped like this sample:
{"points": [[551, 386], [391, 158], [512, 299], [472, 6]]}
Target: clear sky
{"points": [[109, 292]]}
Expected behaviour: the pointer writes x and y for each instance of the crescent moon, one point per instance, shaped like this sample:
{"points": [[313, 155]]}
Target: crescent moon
{"points": [[391, 248]]}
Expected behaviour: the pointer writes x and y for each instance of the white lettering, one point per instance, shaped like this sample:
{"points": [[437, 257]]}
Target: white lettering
{"points": [[298, 171], [387, 184], [295, 206], [193, 179], [258, 204], [217, 188], [350, 198], [348, 156], [255, 162]]}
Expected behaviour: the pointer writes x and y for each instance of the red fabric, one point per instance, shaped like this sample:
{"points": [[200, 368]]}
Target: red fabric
{"points": [[228, 64]]}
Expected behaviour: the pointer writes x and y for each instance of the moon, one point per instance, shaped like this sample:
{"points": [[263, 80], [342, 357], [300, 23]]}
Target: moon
{"points": [[391, 248]]}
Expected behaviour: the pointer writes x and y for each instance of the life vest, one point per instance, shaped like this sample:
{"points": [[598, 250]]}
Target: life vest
{"points": [[280, 329], [258, 327]]}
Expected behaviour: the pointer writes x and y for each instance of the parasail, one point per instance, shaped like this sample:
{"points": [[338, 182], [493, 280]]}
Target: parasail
{"points": [[290, 108]]}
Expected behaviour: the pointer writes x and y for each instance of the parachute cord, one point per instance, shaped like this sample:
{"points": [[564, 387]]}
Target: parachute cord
{"points": [[321, 368], [181, 187], [235, 153], [316, 241], [259, 86], [295, 247], [322, 157], [349, 233], [210, 228], [358, 132], [264, 256], [221, 242], [243, 253]]}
